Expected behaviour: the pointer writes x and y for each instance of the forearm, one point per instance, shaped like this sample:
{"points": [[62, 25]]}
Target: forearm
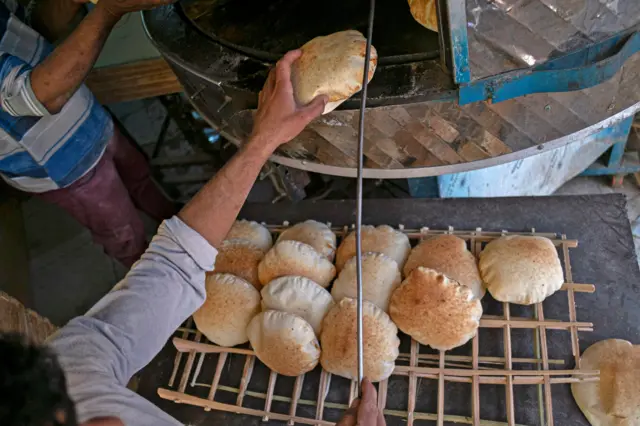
{"points": [[57, 78], [213, 210], [51, 18]]}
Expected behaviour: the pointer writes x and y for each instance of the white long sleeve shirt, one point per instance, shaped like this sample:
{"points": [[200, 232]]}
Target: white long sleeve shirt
{"points": [[101, 350]]}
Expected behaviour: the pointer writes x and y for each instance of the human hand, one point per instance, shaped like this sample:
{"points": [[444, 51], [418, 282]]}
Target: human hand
{"points": [[364, 411], [120, 7], [279, 119]]}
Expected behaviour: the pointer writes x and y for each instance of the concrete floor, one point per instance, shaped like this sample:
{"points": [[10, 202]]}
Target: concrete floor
{"points": [[68, 272]]}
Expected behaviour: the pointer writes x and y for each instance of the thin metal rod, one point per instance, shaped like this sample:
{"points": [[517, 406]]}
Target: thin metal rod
{"points": [[363, 105]]}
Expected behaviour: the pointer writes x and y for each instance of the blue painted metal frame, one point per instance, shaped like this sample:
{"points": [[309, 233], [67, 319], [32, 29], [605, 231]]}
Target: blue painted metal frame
{"points": [[457, 21], [579, 70], [615, 165]]}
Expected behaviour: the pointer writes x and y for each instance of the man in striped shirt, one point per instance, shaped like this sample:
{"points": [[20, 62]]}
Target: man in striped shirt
{"points": [[56, 141]]}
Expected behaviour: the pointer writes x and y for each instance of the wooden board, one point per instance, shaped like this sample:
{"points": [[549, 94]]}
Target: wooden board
{"points": [[128, 82]]}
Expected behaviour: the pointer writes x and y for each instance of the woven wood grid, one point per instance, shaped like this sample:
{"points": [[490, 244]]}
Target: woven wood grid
{"points": [[474, 369]]}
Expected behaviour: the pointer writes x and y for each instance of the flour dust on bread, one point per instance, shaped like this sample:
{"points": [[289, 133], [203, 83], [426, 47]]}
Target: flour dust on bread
{"points": [[339, 337], [299, 296], [521, 269], [295, 258], [449, 255], [381, 239], [241, 258], [251, 231], [230, 304], [435, 310], [615, 399], [284, 342], [316, 234], [331, 65], [380, 276]]}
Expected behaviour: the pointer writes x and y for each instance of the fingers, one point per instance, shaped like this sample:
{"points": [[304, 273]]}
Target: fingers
{"points": [[369, 393], [368, 412], [314, 109], [283, 68]]}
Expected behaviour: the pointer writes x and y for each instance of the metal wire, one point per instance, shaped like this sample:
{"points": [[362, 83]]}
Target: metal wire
{"points": [[363, 105]]}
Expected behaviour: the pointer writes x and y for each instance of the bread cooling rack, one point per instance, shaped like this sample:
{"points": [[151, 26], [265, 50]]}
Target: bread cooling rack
{"points": [[510, 359]]}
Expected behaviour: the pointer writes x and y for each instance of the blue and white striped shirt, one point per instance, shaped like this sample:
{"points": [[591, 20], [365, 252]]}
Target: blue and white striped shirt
{"points": [[40, 151]]}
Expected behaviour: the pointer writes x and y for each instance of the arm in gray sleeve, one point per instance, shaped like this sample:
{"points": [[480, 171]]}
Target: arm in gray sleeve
{"points": [[129, 326]]}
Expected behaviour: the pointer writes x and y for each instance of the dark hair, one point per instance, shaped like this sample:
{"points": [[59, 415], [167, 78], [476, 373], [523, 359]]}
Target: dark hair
{"points": [[32, 385]]}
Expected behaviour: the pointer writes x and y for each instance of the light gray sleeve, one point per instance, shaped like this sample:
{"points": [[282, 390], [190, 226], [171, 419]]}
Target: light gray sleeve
{"points": [[16, 94], [129, 326]]}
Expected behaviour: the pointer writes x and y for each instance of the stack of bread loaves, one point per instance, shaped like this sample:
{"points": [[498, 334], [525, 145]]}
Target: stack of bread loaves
{"points": [[294, 273], [233, 296]]}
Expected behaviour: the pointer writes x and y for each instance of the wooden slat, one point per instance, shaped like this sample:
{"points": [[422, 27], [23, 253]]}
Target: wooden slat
{"points": [[128, 82]]}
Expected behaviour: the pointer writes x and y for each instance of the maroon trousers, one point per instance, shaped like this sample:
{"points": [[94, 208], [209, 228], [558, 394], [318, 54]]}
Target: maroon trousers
{"points": [[105, 200]]}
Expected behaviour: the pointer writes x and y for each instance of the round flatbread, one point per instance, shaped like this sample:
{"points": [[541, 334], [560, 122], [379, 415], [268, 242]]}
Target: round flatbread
{"points": [[382, 239], [447, 254], [424, 11], [251, 231], [240, 258], [521, 269], [230, 304], [331, 65], [435, 310], [615, 399], [284, 342], [299, 296], [339, 341], [316, 234], [380, 276], [295, 258]]}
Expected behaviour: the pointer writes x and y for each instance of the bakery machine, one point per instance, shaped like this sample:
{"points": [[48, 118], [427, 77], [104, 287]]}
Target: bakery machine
{"points": [[501, 81]]}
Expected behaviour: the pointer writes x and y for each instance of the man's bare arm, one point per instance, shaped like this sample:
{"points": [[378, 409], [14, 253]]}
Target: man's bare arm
{"points": [[278, 120], [52, 18], [57, 78]]}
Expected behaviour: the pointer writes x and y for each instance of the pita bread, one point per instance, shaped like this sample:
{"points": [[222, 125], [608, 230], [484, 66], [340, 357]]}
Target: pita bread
{"points": [[331, 65], [251, 231], [339, 337], [316, 234], [240, 258], [299, 296], [424, 11], [295, 258], [615, 400], [435, 310], [230, 304], [284, 342], [521, 269], [382, 239], [447, 254], [380, 276]]}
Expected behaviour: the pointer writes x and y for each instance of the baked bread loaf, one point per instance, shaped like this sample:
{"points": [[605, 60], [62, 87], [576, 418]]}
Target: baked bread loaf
{"points": [[447, 254], [615, 400], [284, 342], [251, 231], [435, 310], [316, 234], [382, 239], [380, 276], [339, 341], [295, 258], [230, 304], [299, 296], [331, 65], [424, 11], [521, 269], [240, 258]]}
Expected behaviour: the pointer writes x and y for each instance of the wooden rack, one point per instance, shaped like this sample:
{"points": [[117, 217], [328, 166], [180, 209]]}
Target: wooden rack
{"points": [[474, 369]]}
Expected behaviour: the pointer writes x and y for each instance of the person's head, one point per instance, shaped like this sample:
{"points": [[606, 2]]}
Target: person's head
{"points": [[32, 385]]}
